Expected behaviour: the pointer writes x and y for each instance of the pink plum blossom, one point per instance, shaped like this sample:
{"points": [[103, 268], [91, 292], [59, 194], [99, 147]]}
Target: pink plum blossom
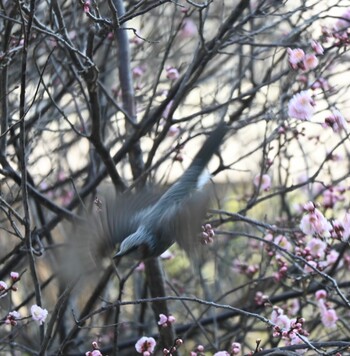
{"points": [[173, 131], [346, 227], [309, 206], [309, 268], [260, 298], [322, 305], [264, 181], [283, 322], [236, 348], [301, 106], [188, 29], [332, 257], [3, 289], [321, 83], [343, 22], [331, 196], [3, 286], [339, 230], [87, 5], [295, 57], [315, 223], [317, 47], [221, 353], [38, 314], [276, 312], [15, 314], [283, 242], [145, 345], [336, 121], [310, 62], [317, 248], [268, 237], [138, 71], [329, 318]]}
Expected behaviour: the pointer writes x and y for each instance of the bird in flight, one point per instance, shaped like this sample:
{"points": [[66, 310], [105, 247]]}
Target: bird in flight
{"points": [[145, 224]]}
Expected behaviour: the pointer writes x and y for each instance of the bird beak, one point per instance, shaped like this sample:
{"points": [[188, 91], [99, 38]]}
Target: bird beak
{"points": [[118, 255]]}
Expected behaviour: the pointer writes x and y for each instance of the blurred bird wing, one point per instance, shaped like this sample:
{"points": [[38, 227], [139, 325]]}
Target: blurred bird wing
{"points": [[121, 214], [185, 224], [107, 222]]}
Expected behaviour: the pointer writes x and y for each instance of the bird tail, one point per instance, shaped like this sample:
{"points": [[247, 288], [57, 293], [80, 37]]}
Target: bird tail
{"points": [[188, 183], [209, 147]]}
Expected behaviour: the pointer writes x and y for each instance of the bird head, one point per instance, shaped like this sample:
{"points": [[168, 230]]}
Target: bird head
{"points": [[139, 245]]}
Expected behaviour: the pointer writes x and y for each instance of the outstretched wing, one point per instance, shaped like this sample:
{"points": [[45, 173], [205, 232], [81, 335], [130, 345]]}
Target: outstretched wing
{"points": [[119, 215], [185, 225], [107, 221]]}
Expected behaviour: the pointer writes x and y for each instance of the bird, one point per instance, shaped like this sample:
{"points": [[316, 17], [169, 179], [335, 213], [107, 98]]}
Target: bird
{"points": [[177, 215], [146, 222]]}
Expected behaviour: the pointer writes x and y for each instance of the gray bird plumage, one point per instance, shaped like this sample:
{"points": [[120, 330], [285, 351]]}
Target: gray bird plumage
{"points": [[146, 223], [178, 212]]}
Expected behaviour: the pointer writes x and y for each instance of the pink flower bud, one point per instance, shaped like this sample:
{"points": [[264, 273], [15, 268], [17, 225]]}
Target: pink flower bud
{"points": [[171, 319], [87, 6], [138, 71], [321, 294], [173, 131], [188, 29], [3, 288], [179, 342], [317, 47], [172, 73], [200, 348], [95, 345], [162, 319], [14, 275]]}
